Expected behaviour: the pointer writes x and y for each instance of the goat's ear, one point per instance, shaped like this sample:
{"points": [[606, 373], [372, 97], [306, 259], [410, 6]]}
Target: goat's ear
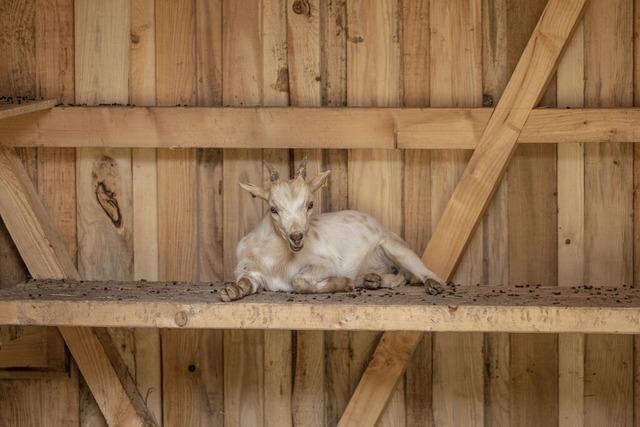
{"points": [[255, 191], [319, 181]]}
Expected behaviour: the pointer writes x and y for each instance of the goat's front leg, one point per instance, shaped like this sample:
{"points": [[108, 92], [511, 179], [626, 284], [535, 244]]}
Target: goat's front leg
{"points": [[240, 289], [315, 279]]}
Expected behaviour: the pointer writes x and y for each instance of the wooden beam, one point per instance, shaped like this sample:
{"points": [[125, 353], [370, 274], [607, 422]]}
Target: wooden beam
{"points": [[13, 110], [44, 254], [197, 305], [475, 188], [303, 127]]}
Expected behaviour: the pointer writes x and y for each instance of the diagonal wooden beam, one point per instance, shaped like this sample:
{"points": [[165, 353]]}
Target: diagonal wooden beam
{"points": [[472, 195], [12, 110], [45, 256]]}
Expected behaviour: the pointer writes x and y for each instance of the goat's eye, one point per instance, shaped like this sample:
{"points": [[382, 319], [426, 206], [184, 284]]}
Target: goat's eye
{"points": [[274, 210], [310, 206]]}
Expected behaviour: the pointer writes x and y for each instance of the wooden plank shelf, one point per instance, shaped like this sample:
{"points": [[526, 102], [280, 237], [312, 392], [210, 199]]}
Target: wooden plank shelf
{"points": [[298, 127], [197, 305], [25, 107]]}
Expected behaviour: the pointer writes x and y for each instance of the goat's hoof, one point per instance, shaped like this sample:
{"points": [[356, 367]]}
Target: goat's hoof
{"points": [[372, 281], [433, 287], [229, 293]]}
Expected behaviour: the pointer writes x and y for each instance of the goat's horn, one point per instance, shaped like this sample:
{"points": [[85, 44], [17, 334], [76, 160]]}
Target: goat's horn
{"points": [[273, 172], [302, 168]]}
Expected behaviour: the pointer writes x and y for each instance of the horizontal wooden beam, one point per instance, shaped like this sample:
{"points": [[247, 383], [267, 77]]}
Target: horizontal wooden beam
{"points": [[193, 305], [25, 107], [270, 127]]}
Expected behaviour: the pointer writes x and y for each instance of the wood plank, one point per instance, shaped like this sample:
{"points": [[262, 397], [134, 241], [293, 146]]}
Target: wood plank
{"points": [[242, 85], [44, 254], [375, 176], [142, 91], [484, 171], [103, 176], [17, 109], [275, 87], [297, 127], [333, 91], [636, 210], [416, 45], [522, 308], [532, 244], [192, 360], [608, 365], [456, 81], [495, 76], [570, 83], [303, 54]]}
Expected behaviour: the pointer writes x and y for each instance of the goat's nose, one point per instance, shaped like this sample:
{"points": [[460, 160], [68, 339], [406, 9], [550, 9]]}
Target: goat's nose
{"points": [[296, 237]]}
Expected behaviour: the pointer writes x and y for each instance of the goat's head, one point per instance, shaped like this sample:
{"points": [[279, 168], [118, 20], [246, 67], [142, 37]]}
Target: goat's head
{"points": [[290, 202]]}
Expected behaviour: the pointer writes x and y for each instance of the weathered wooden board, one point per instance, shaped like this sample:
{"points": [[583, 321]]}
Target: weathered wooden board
{"points": [[299, 127], [608, 222], [481, 177], [523, 308]]}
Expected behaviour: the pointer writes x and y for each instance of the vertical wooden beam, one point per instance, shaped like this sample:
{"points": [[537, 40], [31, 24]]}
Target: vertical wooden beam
{"points": [[142, 91], [483, 173], [57, 173], [495, 76], [375, 176], [242, 85], [188, 54], [456, 81], [608, 168], [570, 82], [532, 244], [333, 91], [275, 92], [636, 206], [416, 47], [103, 176]]}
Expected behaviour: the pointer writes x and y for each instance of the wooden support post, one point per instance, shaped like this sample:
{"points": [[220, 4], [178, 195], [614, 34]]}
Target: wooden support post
{"points": [[473, 193], [45, 256]]}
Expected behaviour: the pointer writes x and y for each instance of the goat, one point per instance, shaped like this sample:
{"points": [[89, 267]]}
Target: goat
{"points": [[292, 250]]}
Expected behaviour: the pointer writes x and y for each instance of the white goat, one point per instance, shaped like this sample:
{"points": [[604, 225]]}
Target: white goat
{"points": [[291, 250]]}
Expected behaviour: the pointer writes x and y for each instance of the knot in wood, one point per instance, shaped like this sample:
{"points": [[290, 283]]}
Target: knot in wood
{"points": [[302, 7], [181, 319]]}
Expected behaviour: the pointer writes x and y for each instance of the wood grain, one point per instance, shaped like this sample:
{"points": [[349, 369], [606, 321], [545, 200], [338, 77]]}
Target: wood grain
{"points": [[456, 81], [571, 198], [333, 90], [375, 176], [304, 69], [495, 76], [193, 305], [12, 110], [45, 256], [417, 193], [142, 91], [103, 176], [242, 85], [534, 68], [608, 168], [532, 244]]}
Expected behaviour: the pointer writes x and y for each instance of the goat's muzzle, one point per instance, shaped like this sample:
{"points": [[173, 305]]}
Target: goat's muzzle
{"points": [[295, 241]]}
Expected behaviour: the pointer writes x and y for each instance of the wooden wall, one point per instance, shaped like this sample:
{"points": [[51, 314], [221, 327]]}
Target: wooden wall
{"points": [[564, 215]]}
